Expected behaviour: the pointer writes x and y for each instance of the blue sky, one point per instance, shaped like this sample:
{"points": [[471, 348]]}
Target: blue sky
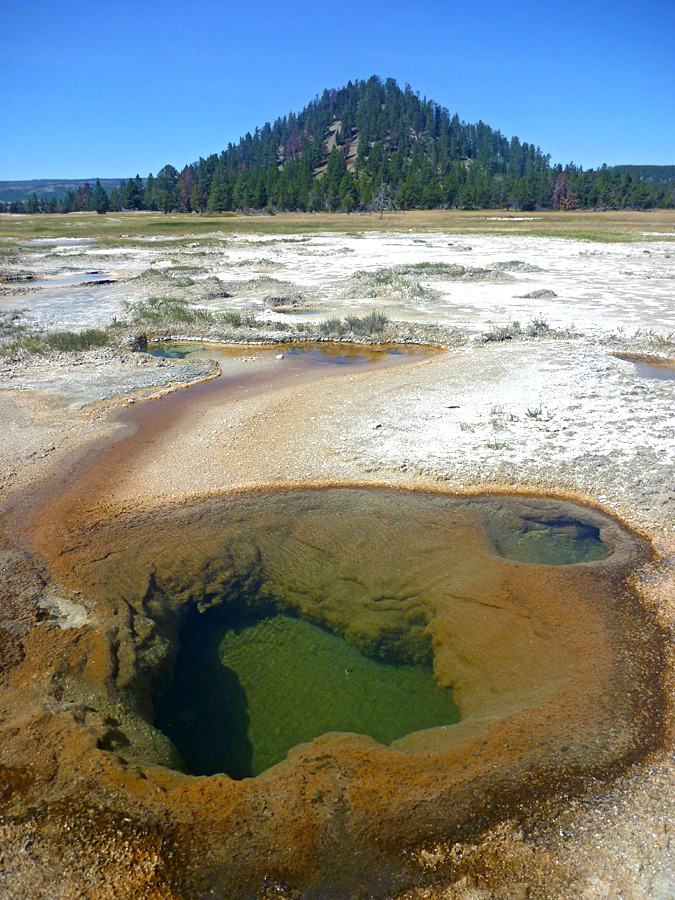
{"points": [[110, 89]]}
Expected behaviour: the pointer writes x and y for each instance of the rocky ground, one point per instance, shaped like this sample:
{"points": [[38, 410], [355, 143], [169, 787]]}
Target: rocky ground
{"points": [[559, 402]]}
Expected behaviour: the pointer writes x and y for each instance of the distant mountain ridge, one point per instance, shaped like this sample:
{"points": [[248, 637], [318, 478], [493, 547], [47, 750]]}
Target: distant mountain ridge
{"points": [[649, 174], [373, 143], [50, 188]]}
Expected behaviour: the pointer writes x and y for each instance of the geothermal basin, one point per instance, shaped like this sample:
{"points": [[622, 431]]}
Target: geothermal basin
{"points": [[544, 770]]}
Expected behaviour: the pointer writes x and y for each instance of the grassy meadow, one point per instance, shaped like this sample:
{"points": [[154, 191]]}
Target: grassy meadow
{"points": [[608, 227]]}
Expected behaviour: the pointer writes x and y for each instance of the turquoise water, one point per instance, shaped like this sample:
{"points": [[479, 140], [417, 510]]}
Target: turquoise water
{"points": [[245, 692]]}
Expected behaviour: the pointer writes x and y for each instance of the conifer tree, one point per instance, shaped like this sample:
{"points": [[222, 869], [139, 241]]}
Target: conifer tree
{"points": [[150, 193], [133, 194], [99, 199]]}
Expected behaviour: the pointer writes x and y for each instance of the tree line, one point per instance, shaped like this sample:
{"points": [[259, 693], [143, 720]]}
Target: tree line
{"points": [[349, 145]]}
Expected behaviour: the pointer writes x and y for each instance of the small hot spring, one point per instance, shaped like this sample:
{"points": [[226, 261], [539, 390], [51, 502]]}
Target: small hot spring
{"points": [[357, 672], [311, 612], [85, 278]]}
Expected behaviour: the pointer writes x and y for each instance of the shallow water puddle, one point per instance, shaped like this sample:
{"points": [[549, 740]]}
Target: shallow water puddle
{"points": [[661, 373], [85, 278], [308, 354], [649, 366]]}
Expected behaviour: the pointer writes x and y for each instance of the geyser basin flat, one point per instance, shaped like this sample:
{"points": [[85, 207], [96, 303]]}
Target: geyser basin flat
{"points": [[554, 666]]}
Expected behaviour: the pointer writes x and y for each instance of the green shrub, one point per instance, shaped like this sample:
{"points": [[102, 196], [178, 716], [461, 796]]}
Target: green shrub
{"points": [[332, 327], [360, 326], [502, 332], [372, 323], [72, 341], [538, 327], [167, 310], [59, 341]]}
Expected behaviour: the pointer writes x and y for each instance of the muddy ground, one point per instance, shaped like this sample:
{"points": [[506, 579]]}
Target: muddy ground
{"points": [[557, 403]]}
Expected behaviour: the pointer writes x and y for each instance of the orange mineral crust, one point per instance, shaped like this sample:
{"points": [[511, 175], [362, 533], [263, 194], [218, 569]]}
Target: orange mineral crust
{"points": [[554, 663]]}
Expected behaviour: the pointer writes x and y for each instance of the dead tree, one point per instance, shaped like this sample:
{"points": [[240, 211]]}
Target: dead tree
{"points": [[382, 201]]}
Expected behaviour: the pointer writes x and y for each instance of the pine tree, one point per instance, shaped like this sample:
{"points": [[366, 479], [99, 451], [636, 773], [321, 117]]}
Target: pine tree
{"points": [[166, 183], [133, 194], [99, 199], [425, 155], [185, 182], [349, 193], [220, 194], [150, 193]]}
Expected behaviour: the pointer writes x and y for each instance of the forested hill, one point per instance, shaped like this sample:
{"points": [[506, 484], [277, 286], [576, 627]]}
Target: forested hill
{"points": [[373, 143], [344, 145], [650, 174]]}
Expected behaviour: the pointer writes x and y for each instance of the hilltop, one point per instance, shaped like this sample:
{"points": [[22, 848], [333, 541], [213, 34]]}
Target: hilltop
{"points": [[372, 143]]}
